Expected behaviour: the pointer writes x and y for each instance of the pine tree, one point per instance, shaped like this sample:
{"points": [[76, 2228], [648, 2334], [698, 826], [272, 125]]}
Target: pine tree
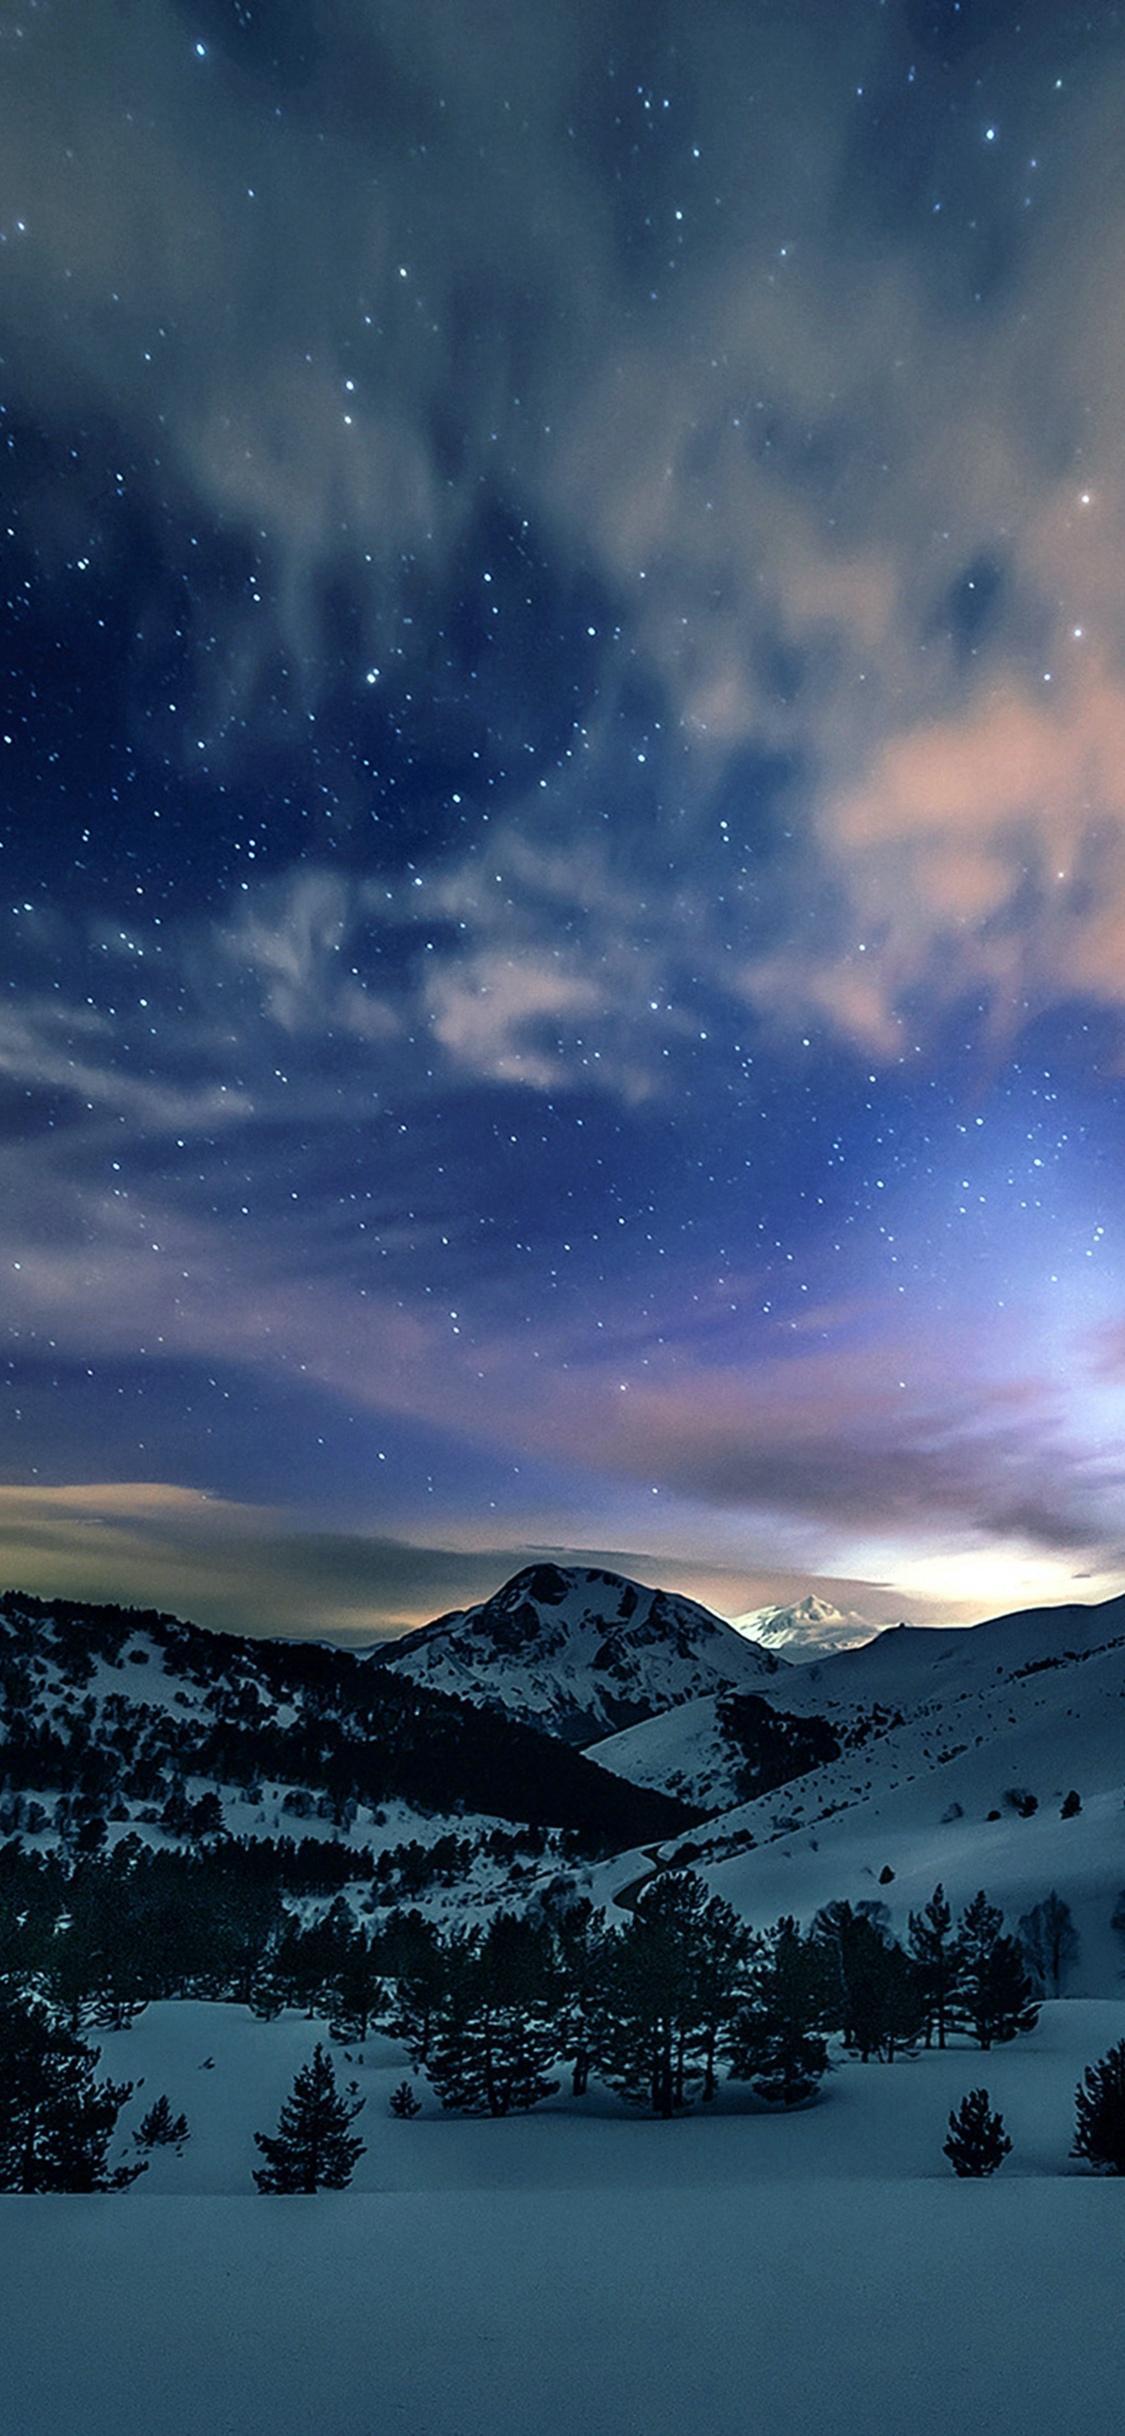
{"points": [[495, 2028], [356, 1992], [977, 2142], [875, 1989], [671, 1979], [160, 2128], [312, 2149], [776, 2040], [1099, 2133], [56, 2120], [403, 2104], [934, 1954], [723, 1945], [844, 1933], [413, 1964], [579, 1941], [994, 1994], [1049, 1940]]}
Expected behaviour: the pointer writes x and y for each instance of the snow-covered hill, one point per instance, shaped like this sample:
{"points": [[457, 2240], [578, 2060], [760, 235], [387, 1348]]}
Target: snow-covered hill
{"points": [[712, 1752], [957, 1752], [810, 1628], [115, 1721], [580, 1652]]}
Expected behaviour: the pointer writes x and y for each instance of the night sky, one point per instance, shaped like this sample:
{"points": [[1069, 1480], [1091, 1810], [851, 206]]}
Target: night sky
{"points": [[562, 846]]}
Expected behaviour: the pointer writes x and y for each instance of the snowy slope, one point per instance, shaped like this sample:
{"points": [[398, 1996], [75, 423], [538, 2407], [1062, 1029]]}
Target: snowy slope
{"points": [[810, 1628], [871, 2122], [716, 1751], [816, 2275], [938, 1731], [281, 1737], [580, 1652], [916, 2309], [685, 1747]]}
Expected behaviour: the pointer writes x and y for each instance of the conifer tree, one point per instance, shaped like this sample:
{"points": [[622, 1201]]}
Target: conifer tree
{"points": [[1099, 2133], [1049, 1940], [933, 1951], [579, 1956], [495, 2029], [672, 1977], [56, 2120], [995, 1994], [403, 2104], [976, 2143], [312, 2149], [875, 1991], [356, 1992], [847, 1934], [160, 2128], [410, 1956], [722, 1946], [776, 2040]]}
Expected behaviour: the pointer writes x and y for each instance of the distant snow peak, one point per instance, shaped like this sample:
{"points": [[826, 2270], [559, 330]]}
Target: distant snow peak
{"points": [[810, 1628], [581, 1651]]}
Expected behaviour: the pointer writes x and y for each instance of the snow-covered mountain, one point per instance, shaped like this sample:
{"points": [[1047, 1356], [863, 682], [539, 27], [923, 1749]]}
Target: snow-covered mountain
{"points": [[810, 1628], [580, 1652], [957, 1752]]}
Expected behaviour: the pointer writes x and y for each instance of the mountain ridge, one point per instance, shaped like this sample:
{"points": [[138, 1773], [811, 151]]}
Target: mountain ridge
{"points": [[807, 1628], [581, 1650]]}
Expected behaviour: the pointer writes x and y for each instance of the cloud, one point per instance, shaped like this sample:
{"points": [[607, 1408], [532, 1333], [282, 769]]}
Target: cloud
{"points": [[767, 410], [982, 855], [291, 944], [248, 1568]]}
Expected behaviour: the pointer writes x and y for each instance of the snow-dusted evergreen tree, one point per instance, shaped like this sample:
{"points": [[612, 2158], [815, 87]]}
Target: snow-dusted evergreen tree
{"points": [[414, 1968], [875, 1993], [403, 2104], [994, 1996], [313, 2148], [495, 2029], [933, 1951], [579, 1955], [1049, 1940], [160, 2128], [776, 2040], [356, 1992], [671, 1982], [56, 2120], [976, 2143], [1099, 2131]]}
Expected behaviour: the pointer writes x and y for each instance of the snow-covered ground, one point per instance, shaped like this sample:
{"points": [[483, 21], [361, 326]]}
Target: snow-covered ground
{"points": [[883, 2122], [820, 2275]]}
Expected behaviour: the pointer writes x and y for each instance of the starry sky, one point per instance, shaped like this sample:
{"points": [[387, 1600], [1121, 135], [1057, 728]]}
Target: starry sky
{"points": [[562, 839]]}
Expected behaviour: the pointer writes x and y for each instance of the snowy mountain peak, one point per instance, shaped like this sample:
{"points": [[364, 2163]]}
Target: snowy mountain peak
{"points": [[810, 1628], [580, 1651]]}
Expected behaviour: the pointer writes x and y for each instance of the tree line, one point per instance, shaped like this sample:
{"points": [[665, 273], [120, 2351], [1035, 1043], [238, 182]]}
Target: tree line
{"points": [[660, 2007]]}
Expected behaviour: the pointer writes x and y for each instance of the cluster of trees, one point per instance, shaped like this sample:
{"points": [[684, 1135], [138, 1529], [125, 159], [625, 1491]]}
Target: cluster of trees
{"points": [[773, 1746], [658, 2005], [300, 1714], [58, 2122], [684, 1988], [977, 2143], [314, 2147], [106, 1932]]}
